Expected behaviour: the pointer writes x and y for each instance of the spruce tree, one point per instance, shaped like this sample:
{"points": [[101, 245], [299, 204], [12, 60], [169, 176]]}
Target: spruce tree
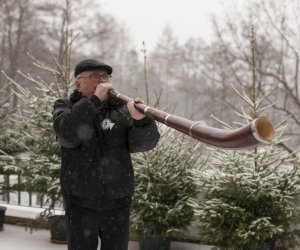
{"points": [[39, 164], [163, 184]]}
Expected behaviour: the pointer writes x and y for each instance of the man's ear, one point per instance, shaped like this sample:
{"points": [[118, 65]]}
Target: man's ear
{"points": [[77, 84]]}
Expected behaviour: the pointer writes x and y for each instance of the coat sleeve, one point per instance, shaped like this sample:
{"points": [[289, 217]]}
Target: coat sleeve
{"points": [[73, 124], [143, 135]]}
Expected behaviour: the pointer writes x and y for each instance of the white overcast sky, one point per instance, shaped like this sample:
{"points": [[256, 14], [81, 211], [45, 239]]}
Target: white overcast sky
{"points": [[146, 19]]}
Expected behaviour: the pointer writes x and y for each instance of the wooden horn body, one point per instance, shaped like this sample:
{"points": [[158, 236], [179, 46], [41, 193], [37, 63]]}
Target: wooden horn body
{"points": [[259, 132]]}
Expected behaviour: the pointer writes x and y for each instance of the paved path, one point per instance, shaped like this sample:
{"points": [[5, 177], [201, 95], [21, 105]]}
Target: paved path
{"points": [[16, 238]]}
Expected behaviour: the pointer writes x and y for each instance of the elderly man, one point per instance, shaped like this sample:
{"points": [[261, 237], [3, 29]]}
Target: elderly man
{"points": [[97, 135]]}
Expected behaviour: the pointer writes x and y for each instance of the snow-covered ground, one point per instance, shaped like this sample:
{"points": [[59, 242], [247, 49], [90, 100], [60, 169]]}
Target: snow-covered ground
{"points": [[16, 238]]}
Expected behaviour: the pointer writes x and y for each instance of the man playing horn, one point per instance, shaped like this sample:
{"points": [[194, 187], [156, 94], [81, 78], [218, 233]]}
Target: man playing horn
{"points": [[97, 135]]}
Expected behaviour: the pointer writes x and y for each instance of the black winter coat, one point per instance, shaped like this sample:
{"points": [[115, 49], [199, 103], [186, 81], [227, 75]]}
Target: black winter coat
{"points": [[96, 141]]}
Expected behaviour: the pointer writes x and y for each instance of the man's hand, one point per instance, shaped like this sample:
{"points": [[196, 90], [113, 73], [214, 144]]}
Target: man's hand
{"points": [[135, 114], [102, 91]]}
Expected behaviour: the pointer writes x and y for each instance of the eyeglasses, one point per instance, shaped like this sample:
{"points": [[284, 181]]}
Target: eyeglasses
{"points": [[96, 78]]}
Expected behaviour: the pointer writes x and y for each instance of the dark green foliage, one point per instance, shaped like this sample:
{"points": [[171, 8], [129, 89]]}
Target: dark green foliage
{"points": [[164, 183], [250, 198]]}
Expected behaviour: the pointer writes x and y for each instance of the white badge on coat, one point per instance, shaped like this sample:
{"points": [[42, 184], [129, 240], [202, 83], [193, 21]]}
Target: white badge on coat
{"points": [[107, 124]]}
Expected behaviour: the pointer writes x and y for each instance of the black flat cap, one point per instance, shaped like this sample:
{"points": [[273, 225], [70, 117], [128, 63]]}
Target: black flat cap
{"points": [[91, 64]]}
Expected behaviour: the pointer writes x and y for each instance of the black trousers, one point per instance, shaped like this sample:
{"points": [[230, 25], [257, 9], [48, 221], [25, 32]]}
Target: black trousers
{"points": [[86, 226]]}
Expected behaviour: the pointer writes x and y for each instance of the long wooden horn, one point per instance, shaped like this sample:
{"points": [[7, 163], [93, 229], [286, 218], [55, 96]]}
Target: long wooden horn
{"points": [[259, 132]]}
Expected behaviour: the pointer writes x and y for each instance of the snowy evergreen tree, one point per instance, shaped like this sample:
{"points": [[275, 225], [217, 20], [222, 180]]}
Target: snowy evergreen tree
{"points": [[250, 198], [39, 165], [164, 183]]}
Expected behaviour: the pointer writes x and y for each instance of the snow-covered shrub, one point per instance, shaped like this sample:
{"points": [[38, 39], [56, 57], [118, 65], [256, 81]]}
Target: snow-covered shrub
{"points": [[39, 165], [250, 198], [164, 182]]}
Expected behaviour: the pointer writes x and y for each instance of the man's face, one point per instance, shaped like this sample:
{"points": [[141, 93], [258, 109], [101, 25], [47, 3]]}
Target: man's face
{"points": [[87, 81]]}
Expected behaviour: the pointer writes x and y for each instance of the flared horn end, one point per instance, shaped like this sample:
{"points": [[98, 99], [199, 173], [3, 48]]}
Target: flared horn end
{"points": [[264, 130]]}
